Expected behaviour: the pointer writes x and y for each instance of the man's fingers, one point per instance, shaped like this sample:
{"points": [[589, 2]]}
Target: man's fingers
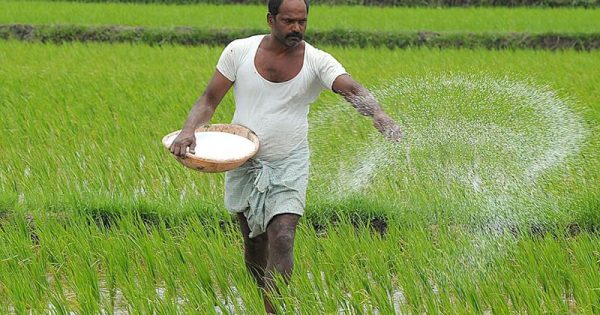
{"points": [[173, 148], [193, 147], [177, 148], [388, 128], [182, 151]]}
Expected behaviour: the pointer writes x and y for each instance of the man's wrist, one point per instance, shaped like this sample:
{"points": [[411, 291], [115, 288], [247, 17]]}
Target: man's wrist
{"points": [[188, 130], [378, 112]]}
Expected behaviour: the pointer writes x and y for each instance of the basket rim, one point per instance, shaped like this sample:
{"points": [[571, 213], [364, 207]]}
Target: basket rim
{"points": [[207, 128]]}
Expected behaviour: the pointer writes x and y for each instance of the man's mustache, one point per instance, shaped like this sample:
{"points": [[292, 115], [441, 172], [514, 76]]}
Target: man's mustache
{"points": [[294, 34]]}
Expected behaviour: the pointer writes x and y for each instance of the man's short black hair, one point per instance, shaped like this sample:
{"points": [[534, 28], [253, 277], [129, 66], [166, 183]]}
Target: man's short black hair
{"points": [[275, 4]]}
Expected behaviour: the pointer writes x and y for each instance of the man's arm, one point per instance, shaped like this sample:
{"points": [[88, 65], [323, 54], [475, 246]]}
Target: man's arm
{"points": [[366, 104], [200, 114]]}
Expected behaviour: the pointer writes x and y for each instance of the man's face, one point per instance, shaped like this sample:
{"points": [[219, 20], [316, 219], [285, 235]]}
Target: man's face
{"points": [[289, 25]]}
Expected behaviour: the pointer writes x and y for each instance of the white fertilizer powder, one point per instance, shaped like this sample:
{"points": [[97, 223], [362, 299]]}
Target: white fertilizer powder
{"points": [[222, 146]]}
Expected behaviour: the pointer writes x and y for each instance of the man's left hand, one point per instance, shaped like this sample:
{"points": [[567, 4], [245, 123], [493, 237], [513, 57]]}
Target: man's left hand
{"points": [[387, 126]]}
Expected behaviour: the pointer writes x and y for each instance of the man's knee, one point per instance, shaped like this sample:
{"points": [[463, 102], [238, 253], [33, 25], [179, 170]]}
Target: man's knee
{"points": [[256, 243], [282, 242], [283, 221], [281, 232]]}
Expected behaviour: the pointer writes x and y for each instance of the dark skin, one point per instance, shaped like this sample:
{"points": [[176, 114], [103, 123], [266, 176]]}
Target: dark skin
{"points": [[279, 59], [271, 252]]}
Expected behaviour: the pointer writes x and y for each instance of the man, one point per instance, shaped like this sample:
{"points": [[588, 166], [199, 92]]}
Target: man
{"points": [[275, 77]]}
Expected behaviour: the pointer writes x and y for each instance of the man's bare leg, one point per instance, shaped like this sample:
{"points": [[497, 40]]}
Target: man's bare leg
{"points": [[280, 236], [255, 251]]}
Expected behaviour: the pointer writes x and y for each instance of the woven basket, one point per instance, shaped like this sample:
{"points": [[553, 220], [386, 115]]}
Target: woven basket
{"points": [[215, 166]]}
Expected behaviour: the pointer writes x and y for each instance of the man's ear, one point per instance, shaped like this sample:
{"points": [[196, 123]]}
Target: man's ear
{"points": [[270, 19]]}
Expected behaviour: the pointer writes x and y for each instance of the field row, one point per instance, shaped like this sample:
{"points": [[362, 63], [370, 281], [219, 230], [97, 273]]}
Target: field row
{"points": [[476, 20], [490, 200], [197, 36], [407, 3], [75, 265], [484, 130]]}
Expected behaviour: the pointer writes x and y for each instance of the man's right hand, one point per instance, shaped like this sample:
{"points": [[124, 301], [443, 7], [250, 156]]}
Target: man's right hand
{"points": [[183, 140]]}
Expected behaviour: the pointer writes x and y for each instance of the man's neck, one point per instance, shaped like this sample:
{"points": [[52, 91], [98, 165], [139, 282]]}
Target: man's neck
{"points": [[279, 48]]}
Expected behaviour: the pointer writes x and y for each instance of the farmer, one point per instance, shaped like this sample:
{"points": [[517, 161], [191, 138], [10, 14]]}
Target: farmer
{"points": [[275, 77]]}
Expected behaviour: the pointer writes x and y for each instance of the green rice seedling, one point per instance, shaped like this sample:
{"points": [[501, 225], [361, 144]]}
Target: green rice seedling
{"points": [[101, 177], [429, 270], [489, 203], [21, 260]]}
